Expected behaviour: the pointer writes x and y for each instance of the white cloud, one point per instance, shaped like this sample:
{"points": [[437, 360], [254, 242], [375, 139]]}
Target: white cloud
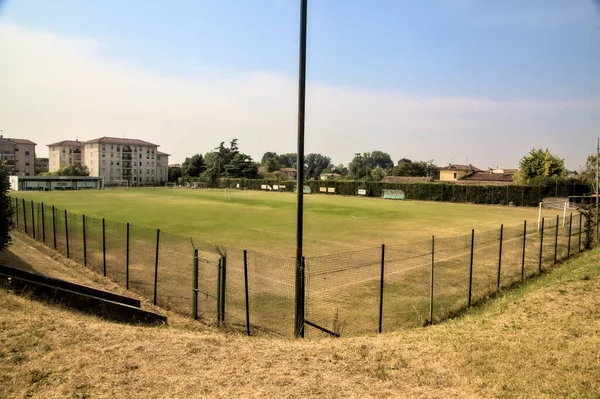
{"points": [[55, 87]]}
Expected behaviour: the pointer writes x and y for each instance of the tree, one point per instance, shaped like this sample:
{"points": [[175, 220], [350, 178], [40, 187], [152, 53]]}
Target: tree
{"points": [[69, 170], [406, 167], [380, 159], [174, 173], [5, 207], [340, 169], [270, 160], [539, 164], [361, 165], [288, 160], [588, 174], [377, 174], [193, 167], [315, 164]]}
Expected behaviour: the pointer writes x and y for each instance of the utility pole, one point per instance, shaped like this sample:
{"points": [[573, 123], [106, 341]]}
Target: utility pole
{"points": [[299, 319], [597, 181]]}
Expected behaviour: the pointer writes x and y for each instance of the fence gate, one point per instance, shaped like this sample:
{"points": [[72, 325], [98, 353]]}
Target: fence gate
{"points": [[208, 296]]}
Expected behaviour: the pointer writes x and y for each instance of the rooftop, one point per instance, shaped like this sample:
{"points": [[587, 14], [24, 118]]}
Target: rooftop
{"points": [[162, 153], [468, 168], [118, 140], [488, 176], [67, 143], [20, 141]]}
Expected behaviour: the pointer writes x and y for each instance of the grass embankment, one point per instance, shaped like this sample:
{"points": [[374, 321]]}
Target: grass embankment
{"points": [[265, 221], [540, 340]]}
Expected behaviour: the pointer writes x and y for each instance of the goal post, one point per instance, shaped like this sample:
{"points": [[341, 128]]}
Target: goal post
{"points": [[557, 206], [170, 185]]}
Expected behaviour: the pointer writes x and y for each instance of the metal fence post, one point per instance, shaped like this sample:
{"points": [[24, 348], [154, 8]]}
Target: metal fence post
{"points": [[500, 256], [24, 216], [219, 286], [580, 223], [103, 247], [303, 290], [54, 226], [471, 266], [17, 211], [127, 258], [43, 224], [67, 232], [541, 246], [246, 292], [195, 286], [556, 239], [524, 247], [156, 266], [381, 287], [32, 220], [84, 241], [570, 231], [431, 286]]}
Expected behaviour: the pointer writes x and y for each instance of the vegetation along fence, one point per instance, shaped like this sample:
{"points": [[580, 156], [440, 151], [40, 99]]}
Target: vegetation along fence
{"points": [[359, 292], [519, 195]]}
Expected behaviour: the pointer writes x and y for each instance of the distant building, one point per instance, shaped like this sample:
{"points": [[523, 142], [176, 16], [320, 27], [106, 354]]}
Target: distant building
{"points": [[42, 164], [454, 172], [46, 183], [122, 159], [65, 153], [290, 173], [162, 167], [19, 155], [494, 176]]}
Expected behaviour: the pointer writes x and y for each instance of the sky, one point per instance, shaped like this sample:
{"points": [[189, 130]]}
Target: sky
{"points": [[453, 81]]}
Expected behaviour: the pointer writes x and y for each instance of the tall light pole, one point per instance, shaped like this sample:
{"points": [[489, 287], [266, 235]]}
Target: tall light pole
{"points": [[299, 286]]}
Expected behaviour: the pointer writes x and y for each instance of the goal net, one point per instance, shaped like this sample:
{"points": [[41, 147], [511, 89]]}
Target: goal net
{"points": [[117, 183], [199, 185], [552, 208], [392, 194], [170, 185]]}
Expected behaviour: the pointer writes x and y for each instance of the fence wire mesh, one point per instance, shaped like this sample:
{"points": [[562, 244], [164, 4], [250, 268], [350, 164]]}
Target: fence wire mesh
{"points": [[350, 293]]}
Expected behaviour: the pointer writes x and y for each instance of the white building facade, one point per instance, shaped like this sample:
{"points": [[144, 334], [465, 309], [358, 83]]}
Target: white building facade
{"points": [[119, 160]]}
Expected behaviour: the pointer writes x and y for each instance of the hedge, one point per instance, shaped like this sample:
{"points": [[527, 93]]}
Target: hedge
{"points": [[520, 195]]}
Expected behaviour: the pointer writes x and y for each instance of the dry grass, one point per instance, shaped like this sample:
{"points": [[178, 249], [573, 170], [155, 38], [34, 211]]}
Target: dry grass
{"points": [[538, 341]]}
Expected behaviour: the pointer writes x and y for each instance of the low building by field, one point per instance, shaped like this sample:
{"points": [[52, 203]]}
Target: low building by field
{"points": [[46, 183]]}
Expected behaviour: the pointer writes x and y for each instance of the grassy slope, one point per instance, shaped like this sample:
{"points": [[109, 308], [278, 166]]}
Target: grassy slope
{"points": [[540, 340], [265, 221]]}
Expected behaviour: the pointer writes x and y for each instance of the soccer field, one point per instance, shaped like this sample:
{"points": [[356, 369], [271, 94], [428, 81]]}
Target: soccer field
{"points": [[265, 221]]}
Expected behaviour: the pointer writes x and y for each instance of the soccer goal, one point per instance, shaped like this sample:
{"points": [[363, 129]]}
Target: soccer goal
{"points": [[552, 208], [170, 185], [199, 185], [117, 183], [393, 194]]}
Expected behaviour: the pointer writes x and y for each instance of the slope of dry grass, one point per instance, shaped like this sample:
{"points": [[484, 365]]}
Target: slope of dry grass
{"points": [[541, 340]]}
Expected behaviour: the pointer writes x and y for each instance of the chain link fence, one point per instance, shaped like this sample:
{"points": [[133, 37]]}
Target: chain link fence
{"points": [[352, 293]]}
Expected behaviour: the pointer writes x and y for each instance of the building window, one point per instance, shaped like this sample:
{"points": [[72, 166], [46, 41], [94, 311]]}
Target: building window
{"points": [[118, 149], [118, 163], [455, 176], [26, 152]]}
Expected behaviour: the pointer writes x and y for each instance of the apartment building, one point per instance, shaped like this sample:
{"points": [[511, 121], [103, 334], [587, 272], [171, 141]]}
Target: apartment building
{"points": [[19, 155], [162, 167], [65, 153], [122, 159]]}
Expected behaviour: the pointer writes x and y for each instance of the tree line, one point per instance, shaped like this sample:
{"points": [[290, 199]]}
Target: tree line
{"points": [[538, 167]]}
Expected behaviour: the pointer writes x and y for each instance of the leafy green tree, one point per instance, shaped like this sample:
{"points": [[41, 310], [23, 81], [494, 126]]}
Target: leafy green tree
{"points": [[377, 174], [588, 174], [340, 169], [241, 165], [315, 164], [5, 207], [288, 160], [174, 173], [380, 159], [69, 170], [193, 167], [539, 163], [361, 165], [270, 161], [406, 167]]}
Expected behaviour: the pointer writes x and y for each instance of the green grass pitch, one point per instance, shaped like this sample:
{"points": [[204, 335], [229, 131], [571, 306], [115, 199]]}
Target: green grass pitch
{"points": [[266, 221]]}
